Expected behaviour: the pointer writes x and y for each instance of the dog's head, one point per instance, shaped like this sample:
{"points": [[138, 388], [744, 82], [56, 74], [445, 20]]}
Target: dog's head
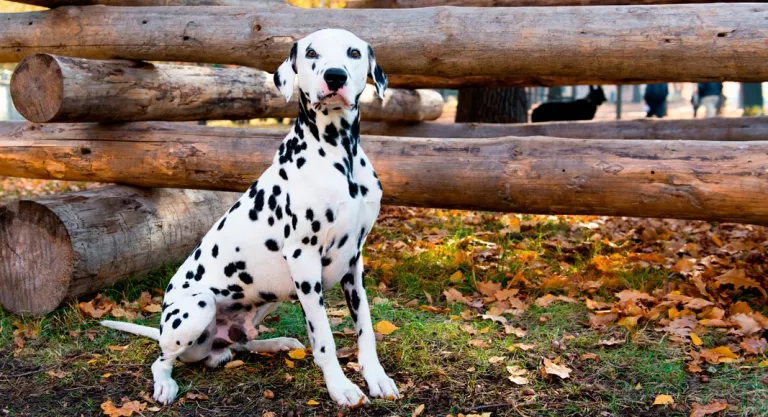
{"points": [[596, 95], [332, 66]]}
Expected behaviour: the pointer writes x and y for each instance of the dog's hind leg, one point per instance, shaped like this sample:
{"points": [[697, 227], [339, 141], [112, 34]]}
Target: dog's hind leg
{"points": [[379, 384], [277, 344], [306, 270]]}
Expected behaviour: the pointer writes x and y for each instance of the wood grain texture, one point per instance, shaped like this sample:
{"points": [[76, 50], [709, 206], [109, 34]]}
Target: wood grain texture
{"points": [[722, 181], [531, 45], [714, 129], [58, 247], [49, 88]]}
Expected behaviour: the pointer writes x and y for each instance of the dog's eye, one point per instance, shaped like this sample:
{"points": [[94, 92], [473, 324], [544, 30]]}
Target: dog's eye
{"points": [[353, 53], [311, 53]]}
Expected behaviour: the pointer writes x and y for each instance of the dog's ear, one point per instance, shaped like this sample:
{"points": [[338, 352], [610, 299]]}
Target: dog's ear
{"points": [[285, 76], [377, 74]]}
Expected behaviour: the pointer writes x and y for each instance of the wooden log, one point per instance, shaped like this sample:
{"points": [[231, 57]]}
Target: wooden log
{"points": [[149, 3], [410, 4], [714, 129], [48, 88], [62, 246], [535, 46], [706, 180]]}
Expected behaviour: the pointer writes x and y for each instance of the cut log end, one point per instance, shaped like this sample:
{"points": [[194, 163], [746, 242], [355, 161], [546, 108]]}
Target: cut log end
{"points": [[37, 256], [38, 101]]}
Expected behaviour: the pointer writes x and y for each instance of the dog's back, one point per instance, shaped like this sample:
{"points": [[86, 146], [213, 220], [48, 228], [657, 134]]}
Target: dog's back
{"points": [[582, 109]]}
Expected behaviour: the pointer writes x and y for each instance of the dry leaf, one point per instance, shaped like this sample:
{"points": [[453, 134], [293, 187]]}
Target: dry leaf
{"points": [[312, 403], [117, 348], [699, 410], [457, 277], [418, 411], [153, 308], [234, 364], [268, 394], [493, 360], [548, 299], [452, 295], [719, 355], [519, 380], [554, 369], [290, 363], [589, 356], [696, 340], [126, 409], [57, 374], [487, 288], [610, 342], [738, 278], [482, 344], [663, 399], [754, 346], [747, 325], [297, 354], [385, 327], [522, 346]]}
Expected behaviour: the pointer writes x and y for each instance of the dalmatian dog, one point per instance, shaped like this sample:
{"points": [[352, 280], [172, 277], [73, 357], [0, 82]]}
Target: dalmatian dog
{"points": [[296, 232]]}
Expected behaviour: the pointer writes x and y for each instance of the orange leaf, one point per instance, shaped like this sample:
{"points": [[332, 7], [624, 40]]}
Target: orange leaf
{"points": [[488, 288], [312, 403], [738, 278], [153, 308], [385, 327], [696, 340], [663, 399], [754, 346], [234, 364], [482, 344], [117, 348], [297, 354], [290, 363], [699, 410], [453, 295], [125, 410]]}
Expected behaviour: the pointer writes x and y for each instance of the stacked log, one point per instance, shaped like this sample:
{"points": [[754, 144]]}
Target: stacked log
{"points": [[714, 129], [706, 180], [526, 45], [49, 88], [63, 246]]}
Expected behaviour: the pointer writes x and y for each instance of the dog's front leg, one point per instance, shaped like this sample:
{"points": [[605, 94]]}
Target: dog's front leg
{"points": [[306, 270], [165, 387], [379, 384]]}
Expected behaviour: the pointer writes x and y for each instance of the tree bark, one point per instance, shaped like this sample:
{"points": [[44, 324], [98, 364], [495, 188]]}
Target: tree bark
{"points": [[492, 105], [63, 246], [714, 129], [534, 46], [721, 181], [49, 88]]}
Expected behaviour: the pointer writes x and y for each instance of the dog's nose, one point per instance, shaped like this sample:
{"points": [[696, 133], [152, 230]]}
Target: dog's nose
{"points": [[335, 78]]}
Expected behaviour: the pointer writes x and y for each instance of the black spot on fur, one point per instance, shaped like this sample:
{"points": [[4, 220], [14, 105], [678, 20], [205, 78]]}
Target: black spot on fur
{"points": [[169, 288], [267, 296], [190, 275], [321, 152], [340, 167], [352, 189], [215, 251], [198, 252], [329, 215], [362, 161], [230, 269], [363, 190], [297, 253], [271, 245], [271, 221], [234, 207], [238, 296], [318, 287], [215, 291], [343, 241], [315, 226], [305, 240], [225, 293], [276, 190], [321, 301], [306, 287], [221, 224], [326, 261], [310, 215], [246, 278], [286, 231], [200, 272], [300, 162], [313, 241], [203, 337], [176, 323], [283, 174], [202, 304], [237, 334], [235, 288], [311, 327], [186, 285]]}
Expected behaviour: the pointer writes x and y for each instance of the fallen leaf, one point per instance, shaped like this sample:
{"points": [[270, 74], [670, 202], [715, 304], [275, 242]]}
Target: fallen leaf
{"points": [[548, 299], [519, 380], [747, 325], [117, 348], [107, 375], [699, 410], [312, 403], [385, 327], [268, 394], [153, 308], [589, 356], [452, 295], [234, 364], [738, 278], [457, 277], [126, 409], [696, 340], [482, 344], [418, 411], [57, 374], [297, 354], [610, 342], [554, 369], [290, 363], [719, 355], [522, 346], [493, 360], [754, 346], [663, 399], [488, 288]]}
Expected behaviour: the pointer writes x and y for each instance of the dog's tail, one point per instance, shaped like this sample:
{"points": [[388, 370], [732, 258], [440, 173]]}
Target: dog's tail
{"points": [[138, 329]]}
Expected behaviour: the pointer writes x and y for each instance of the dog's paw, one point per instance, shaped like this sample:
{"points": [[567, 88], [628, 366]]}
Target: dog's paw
{"points": [[277, 344], [379, 384], [165, 391], [347, 394]]}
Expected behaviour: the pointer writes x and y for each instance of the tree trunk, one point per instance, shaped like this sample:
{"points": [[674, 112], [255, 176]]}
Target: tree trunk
{"points": [[492, 105], [721, 181], [63, 246], [50, 88], [713, 129], [534, 46]]}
